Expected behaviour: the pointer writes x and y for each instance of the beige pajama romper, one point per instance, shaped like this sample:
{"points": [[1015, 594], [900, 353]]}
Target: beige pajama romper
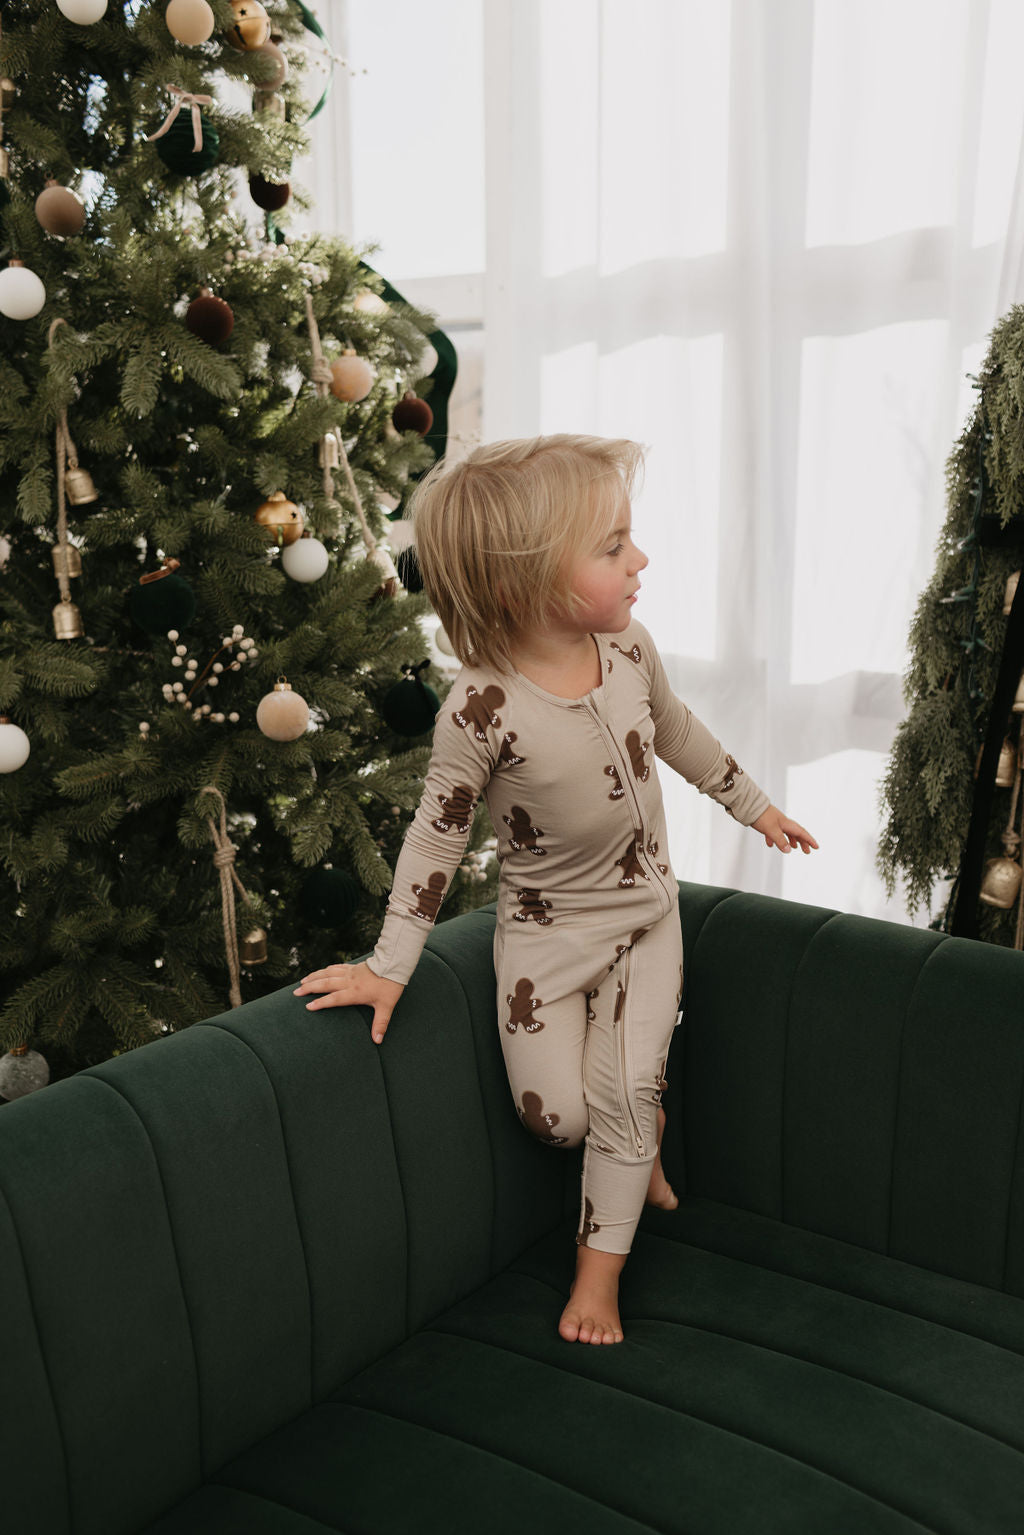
{"points": [[587, 948]]}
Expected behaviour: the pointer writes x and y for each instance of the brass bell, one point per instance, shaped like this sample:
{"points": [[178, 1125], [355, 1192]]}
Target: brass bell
{"points": [[253, 948], [1001, 882], [1011, 591], [328, 456], [390, 583], [280, 517], [67, 621], [66, 560], [8, 93], [78, 486], [5, 164], [1006, 771]]}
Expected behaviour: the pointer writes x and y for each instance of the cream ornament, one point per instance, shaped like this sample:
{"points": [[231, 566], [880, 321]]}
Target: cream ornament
{"points": [[14, 746], [82, 12], [305, 560], [190, 21], [22, 294], [60, 211], [283, 715], [352, 378]]}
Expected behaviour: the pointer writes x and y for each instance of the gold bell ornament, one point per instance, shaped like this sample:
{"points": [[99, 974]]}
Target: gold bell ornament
{"points": [[78, 485], [252, 949], [1011, 591], [283, 714], [67, 621], [1000, 884], [66, 561], [251, 26], [328, 456], [281, 517], [1006, 771]]}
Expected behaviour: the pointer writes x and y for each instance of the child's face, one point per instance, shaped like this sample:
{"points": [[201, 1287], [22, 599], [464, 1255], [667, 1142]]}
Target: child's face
{"points": [[605, 582]]}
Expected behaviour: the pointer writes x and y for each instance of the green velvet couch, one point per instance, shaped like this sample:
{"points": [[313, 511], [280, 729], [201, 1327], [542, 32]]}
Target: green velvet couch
{"points": [[266, 1278]]}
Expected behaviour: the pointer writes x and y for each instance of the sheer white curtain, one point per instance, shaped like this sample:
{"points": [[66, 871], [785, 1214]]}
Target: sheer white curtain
{"points": [[767, 238]]}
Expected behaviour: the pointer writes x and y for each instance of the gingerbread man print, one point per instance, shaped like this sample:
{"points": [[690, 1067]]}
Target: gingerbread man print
{"points": [[456, 809], [633, 653], [537, 1122], [522, 1006], [508, 758], [733, 771], [629, 863], [637, 755], [612, 772], [652, 848], [480, 710], [620, 948], [429, 897], [590, 1226], [522, 835], [533, 908]]}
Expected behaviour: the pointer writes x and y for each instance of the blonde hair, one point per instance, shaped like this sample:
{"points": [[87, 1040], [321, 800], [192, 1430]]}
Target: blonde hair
{"points": [[497, 534]]}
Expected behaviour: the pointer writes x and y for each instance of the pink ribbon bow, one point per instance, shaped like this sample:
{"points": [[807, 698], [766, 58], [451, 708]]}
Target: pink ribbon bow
{"points": [[185, 99]]}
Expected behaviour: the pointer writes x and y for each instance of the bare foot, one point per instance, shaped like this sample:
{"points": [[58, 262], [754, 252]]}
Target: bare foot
{"points": [[591, 1314], [659, 1191]]}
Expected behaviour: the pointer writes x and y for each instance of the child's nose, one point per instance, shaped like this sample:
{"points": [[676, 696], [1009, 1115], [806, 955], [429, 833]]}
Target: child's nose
{"points": [[639, 560]]}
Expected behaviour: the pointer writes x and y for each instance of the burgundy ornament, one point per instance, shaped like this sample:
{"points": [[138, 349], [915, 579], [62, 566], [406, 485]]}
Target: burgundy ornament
{"points": [[412, 414], [267, 195], [209, 317]]}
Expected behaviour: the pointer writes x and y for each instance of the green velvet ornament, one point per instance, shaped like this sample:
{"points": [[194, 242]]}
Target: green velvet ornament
{"points": [[410, 707], [329, 897], [167, 602], [177, 150]]}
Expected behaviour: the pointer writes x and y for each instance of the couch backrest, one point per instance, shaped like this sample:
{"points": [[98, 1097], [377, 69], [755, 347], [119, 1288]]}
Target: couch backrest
{"points": [[201, 1238], [855, 1078]]}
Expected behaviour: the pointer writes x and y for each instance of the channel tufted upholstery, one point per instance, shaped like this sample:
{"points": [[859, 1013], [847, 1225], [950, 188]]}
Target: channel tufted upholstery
{"points": [[264, 1278]]}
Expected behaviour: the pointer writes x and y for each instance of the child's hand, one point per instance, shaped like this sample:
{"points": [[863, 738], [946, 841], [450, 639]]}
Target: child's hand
{"points": [[350, 985], [779, 831]]}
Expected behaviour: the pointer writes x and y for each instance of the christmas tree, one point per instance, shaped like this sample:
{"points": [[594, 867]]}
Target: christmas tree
{"points": [[952, 790], [206, 740]]}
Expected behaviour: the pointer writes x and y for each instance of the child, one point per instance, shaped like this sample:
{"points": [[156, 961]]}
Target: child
{"points": [[556, 718]]}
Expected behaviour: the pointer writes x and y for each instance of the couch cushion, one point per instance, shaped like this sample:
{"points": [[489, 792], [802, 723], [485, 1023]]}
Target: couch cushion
{"points": [[773, 1380]]}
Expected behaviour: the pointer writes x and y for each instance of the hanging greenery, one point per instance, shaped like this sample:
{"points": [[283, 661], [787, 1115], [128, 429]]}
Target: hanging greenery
{"points": [[958, 642]]}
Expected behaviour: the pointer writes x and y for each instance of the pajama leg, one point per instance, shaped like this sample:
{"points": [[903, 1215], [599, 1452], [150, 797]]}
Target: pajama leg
{"points": [[543, 1046], [633, 1013]]}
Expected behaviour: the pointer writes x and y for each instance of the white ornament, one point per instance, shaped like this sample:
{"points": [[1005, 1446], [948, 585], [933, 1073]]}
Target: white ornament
{"points": [[22, 1072], [189, 21], [305, 560], [82, 12], [14, 747], [22, 294], [443, 643]]}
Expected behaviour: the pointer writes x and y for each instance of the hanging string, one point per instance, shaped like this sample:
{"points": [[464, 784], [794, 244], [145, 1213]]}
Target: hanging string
{"points": [[224, 855], [65, 449], [321, 375]]}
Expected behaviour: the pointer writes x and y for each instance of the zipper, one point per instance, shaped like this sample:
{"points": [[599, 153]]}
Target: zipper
{"points": [[627, 1108]]}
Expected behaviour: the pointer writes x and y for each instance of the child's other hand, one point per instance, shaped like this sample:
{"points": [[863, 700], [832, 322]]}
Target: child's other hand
{"points": [[350, 986], [779, 831]]}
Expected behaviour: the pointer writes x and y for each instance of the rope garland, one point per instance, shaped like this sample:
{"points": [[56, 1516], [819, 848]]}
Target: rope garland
{"points": [[224, 856], [67, 455]]}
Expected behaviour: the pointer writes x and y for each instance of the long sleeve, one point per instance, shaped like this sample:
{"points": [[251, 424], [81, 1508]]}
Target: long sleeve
{"points": [[460, 768], [687, 745]]}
